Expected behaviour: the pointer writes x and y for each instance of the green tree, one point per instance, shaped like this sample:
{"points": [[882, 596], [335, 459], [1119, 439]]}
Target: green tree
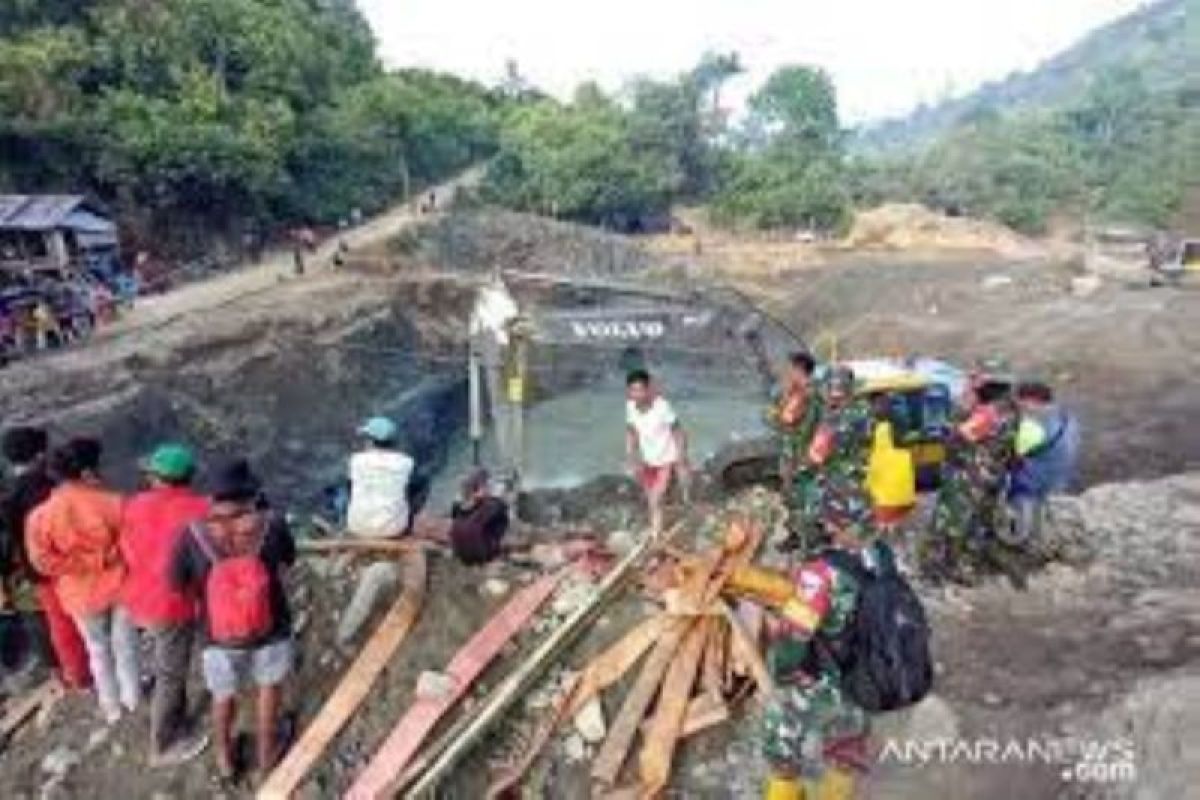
{"points": [[207, 113], [578, 162], [789, 171], [798, 106]]}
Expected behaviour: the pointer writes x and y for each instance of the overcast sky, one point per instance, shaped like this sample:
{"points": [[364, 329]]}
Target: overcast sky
{"points": [[886, 56]]}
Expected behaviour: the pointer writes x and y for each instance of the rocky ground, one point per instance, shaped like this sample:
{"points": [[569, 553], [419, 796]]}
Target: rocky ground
{"points": [[1104, 645]]}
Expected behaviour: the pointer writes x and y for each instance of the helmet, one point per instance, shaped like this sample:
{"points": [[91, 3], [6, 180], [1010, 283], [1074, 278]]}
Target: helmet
{"points": [[840, 380]]}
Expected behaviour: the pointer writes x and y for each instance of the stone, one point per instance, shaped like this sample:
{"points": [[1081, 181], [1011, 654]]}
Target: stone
{"points": [[495, 587], [589, 722], [53, 789], [59, 761], [300, 621], [992, 700], [992, 282], [376, 581], [98, 739], [571, 597], [621, 542], [435, 685], [1086, 285], [574, 748]]}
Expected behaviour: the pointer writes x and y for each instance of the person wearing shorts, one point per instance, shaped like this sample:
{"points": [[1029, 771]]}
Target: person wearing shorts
{"points": [[236, 515], [655, 444]]}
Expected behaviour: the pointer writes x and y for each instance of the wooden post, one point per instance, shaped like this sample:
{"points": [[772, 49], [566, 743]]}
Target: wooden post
{"points": [[476, 408], [518, 390]]}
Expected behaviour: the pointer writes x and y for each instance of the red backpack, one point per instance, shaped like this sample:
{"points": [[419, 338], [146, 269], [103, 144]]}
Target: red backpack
{"points": [[237, 592]]}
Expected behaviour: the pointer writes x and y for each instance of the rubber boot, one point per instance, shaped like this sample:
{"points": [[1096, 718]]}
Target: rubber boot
{"points": [[836, 784], [780, 788]]}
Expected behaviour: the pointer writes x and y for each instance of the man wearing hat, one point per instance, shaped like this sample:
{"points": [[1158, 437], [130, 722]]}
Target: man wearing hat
{"points": [[380, 475], [153, 522], [379, 478]]}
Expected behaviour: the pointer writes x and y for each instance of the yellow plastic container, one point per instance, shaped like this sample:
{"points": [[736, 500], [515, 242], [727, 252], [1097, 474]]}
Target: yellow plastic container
{"points": [[891, 476]]}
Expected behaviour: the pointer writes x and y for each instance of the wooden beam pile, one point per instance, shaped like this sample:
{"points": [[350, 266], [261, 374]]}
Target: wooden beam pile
{"points": [[697, 657]]}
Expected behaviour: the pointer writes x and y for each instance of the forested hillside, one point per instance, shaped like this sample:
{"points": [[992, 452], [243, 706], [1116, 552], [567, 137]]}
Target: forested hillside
{"points": [[624, 160], [201, 118], [1109, 131], [227, 115], [1154, 41]]}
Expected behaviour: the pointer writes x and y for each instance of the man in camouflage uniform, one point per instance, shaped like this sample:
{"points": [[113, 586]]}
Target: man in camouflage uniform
{"points": [[841, 453], [794, 414], [812, 731], [979, 452]]}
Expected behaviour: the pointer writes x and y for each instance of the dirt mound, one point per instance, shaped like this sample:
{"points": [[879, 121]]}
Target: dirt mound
{"points": [[908, 226]]}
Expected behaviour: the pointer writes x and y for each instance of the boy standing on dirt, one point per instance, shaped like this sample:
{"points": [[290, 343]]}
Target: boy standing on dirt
{"points": [[234, 561], [655, 445]]}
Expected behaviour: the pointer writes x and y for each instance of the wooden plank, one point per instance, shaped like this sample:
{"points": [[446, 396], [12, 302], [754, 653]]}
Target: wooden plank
{"points": [[607, 668], [712, 674], [742, 543], [333, 547], [611, 756], [355, 685], [703, 712], [600, 673], [658, 750], [460, 739], [17, 712], [697, 574], [747, 650], [468, 663], [753, 621]]}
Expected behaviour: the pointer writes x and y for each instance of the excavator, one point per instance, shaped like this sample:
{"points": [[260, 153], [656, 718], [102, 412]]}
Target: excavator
{"points": [[714, 325]]}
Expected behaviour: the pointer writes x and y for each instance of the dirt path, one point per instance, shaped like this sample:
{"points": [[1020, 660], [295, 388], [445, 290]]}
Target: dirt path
{"points": [[207, 295]]}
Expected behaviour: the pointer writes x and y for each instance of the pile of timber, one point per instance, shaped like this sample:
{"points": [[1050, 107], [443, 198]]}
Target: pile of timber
{"points": [[699, 657]]}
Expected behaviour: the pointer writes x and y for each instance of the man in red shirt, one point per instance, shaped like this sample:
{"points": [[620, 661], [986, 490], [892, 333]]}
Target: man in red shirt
{"points": [[153, 523]]}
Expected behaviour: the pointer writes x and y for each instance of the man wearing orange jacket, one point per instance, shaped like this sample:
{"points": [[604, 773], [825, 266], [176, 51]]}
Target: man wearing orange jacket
{"points": [[73, 540], [25, 451]]}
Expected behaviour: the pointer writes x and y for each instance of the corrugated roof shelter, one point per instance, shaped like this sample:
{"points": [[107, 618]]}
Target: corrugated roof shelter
{"points": [[51, 229], [44, 212]]}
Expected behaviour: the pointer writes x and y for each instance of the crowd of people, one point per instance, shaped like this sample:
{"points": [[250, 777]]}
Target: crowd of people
{"points": [[184, 568], [180, 567], [168, 564]]}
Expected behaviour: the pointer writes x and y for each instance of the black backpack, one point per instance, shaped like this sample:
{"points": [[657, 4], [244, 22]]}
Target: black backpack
{"points": [[883, 653]]}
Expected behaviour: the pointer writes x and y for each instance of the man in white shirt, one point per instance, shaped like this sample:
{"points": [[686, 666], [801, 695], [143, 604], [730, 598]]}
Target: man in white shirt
{"points": [[379, 479], [655, 444], [379, 485]]}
